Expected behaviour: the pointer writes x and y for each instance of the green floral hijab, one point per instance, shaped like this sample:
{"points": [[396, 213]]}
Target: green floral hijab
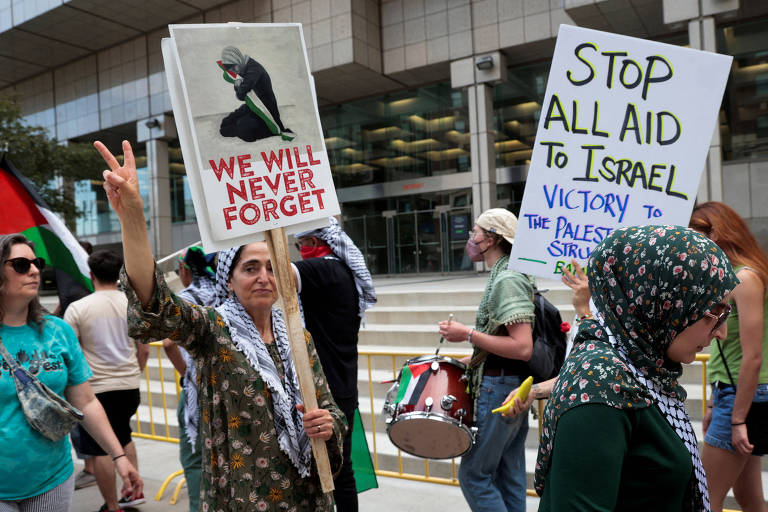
{"points": [[648, 284]]}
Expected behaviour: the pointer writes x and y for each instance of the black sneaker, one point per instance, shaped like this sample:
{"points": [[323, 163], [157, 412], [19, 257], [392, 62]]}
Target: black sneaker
{"points": [[105, 509]]}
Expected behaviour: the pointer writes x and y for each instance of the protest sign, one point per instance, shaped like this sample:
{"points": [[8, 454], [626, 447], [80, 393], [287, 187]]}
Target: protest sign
{"points": [[255, 156], [622, 139], [249, 129]]}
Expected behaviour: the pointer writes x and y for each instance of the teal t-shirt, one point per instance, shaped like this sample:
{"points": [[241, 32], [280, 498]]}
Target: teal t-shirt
{"points": [[31, 464]]}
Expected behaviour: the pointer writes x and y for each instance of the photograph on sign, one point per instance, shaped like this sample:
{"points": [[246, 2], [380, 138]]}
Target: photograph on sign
{"points": [[622, 140], [253, 128]]}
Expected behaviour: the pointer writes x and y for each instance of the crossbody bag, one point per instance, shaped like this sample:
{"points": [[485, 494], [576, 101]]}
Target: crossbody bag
{"points": [[43, 408]]}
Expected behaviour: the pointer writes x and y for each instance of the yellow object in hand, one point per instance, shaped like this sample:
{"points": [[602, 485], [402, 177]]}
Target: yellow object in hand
{"points": [[522, 394]]}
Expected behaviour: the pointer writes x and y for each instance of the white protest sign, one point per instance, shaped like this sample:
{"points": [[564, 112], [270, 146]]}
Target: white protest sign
{"points": [[249, 130], [622, 139]]}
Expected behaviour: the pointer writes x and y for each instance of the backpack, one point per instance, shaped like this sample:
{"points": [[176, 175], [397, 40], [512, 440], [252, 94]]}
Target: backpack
{"points": [[549, 341]]}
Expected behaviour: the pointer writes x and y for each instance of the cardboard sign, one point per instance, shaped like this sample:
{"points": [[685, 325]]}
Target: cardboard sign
{"points": [[249, 129], [622, 140]]}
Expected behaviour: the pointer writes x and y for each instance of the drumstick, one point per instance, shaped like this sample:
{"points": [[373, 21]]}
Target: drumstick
{"points": [[450, 319]]}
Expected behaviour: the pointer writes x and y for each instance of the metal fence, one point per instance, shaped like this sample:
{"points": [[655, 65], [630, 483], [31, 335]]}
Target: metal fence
{"points": [[397, 359]]}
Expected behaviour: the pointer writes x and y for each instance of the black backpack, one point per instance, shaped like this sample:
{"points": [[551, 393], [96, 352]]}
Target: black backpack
{"points": [[549, 341]]}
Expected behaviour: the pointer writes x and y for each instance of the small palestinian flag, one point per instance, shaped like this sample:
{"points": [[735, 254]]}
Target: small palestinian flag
{"points": [[412, 382], [22, 210]]}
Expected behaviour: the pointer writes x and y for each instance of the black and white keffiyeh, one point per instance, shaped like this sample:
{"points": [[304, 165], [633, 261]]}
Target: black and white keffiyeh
{"points": [[673, 409], [201, 291], [291, 436], [346, 250]]}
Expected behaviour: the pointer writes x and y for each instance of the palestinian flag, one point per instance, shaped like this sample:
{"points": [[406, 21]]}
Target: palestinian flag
{"points": [[22, 210], [362, 465], [412, 382]]}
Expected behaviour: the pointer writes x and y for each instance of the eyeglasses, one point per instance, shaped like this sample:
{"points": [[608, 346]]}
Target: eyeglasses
{"points": [[722, 316], [21, 265]]}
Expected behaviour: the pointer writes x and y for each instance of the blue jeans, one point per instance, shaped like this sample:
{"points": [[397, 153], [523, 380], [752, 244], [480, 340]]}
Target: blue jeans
{"points": [[492, 474], [719, 431]]}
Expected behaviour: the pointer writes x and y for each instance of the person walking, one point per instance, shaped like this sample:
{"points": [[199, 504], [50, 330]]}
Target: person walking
{"points": [[254, 429], [99, 322], [615, 433], [736, 370], [336, 288], [36, 474], [492, 474]]}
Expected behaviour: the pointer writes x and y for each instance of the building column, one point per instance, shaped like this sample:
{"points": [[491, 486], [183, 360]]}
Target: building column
{"points": [[701, 36], [159, 198], [155, 132], [482, 149]]}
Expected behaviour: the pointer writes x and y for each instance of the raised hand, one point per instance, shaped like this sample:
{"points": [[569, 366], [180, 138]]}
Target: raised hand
{"points": [[121, 181], [577, 281]]}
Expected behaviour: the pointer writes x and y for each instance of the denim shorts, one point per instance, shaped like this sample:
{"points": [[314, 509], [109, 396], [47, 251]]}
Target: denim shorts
{"points": [[719, 432]]}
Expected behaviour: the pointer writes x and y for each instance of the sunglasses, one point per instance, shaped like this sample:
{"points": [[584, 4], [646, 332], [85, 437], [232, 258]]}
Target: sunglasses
{"points": [[720, 312], [21, 265]]}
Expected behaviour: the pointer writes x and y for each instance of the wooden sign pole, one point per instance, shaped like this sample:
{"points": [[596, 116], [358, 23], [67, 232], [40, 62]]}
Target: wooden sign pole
{"points": [[286, 287]]}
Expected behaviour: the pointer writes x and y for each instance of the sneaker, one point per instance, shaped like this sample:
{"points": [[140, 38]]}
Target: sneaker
{"points": [[105, 509], [84, 479], [131, 501]]}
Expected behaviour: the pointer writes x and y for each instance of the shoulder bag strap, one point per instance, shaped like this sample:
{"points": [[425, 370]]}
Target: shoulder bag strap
{"points": [[8, 357], [728, 370]]}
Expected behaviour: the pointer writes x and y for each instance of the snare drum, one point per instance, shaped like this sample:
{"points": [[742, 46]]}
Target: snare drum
{"points": [[430, 409]]}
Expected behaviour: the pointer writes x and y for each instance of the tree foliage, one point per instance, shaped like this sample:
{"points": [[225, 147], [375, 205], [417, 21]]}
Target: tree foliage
{"points": [[48, 164]]}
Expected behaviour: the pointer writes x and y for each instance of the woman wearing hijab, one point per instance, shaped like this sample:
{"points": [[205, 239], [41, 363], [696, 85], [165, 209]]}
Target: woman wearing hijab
{"points": [[616, 435], [254, 432]]}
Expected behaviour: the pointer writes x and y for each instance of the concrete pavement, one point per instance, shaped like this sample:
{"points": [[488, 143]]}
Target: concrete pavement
{"points": [[159, 459]]}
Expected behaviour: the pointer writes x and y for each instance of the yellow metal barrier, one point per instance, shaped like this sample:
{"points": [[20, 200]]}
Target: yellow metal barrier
{"points": [[397, 357]]}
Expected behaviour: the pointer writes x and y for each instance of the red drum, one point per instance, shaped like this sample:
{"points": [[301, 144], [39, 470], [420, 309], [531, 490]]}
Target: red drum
{"points": [[430, 409]]}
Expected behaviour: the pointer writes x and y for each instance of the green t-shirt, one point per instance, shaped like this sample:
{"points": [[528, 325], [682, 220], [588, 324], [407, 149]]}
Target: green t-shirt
{"points": [[732, 350], [607, 459], [32, 464]]}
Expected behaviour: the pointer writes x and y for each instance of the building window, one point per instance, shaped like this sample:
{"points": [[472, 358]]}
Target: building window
{"points": [[744, 125], [95, 215], [399, 136], [182, 209], [516, 110]]}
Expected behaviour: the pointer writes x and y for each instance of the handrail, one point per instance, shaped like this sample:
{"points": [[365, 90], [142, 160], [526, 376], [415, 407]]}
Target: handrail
{"points": [[368, 354]]}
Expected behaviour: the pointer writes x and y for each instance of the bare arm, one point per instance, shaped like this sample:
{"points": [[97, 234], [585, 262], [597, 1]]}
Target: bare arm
{"points": [[174, 355], [517, 344], [748, 297], [142, 354], [96, 423], [122, 186], [540, 391]]}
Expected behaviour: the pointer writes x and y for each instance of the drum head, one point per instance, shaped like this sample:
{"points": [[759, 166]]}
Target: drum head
{"points": [[430, 435]]}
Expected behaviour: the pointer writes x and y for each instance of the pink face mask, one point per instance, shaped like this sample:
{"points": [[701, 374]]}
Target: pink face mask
{"points": [[473, 251]]}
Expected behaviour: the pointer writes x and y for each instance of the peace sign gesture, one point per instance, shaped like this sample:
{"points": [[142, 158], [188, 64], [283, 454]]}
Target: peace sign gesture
{"points": [[121, 182]]}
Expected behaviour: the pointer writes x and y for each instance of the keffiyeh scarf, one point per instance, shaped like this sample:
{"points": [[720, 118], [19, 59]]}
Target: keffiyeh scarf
{"points": [[346, 250], [648, 284], [201, 291], [291, 436]]}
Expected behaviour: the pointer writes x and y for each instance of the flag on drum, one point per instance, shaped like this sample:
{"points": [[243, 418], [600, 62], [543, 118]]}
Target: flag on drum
{"points": [[412, 383]]}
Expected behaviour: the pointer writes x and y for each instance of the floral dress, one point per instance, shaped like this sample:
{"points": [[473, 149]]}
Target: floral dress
{"points": [[243, 466]]}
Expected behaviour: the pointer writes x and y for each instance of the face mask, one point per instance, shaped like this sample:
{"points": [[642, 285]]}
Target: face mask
{"points": [[473, 251], [314, 252]]}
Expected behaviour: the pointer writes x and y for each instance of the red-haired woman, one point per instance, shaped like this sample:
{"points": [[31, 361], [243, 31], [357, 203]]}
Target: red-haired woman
{"points": [[736, 373]]}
